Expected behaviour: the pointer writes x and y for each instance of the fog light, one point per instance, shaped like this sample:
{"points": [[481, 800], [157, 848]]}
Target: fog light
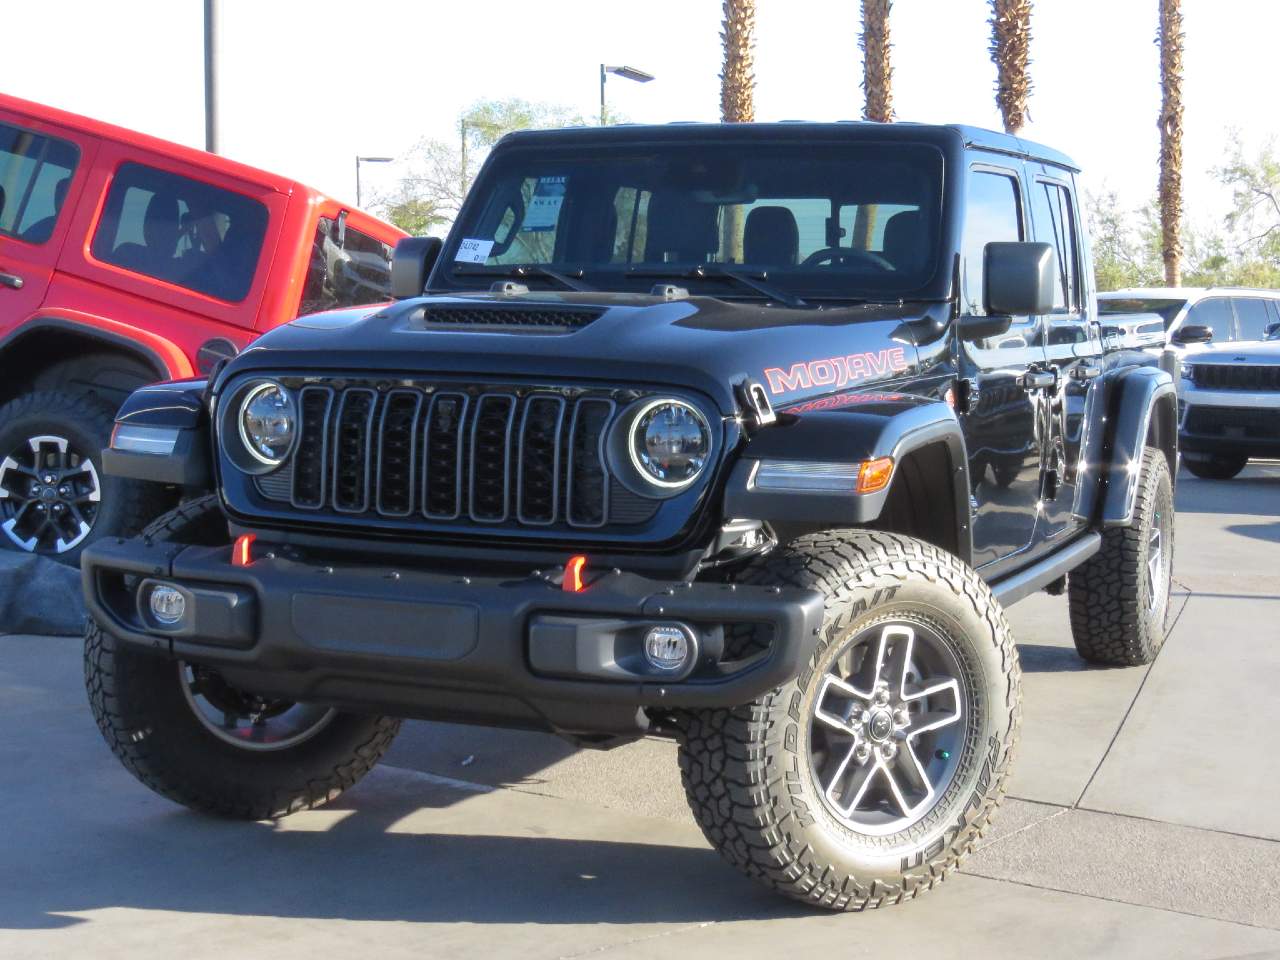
{"points": [[168, 605], [666, 648]]}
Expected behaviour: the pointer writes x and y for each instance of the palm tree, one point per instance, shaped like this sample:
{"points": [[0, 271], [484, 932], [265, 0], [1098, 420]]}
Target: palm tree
{"points": [[1010, 44], [1170, 38], [737, 81], [877, 72], [737, 99]]}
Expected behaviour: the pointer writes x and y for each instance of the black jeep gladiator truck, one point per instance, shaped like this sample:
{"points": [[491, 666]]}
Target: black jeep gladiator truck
{"points": [[738, 435]]}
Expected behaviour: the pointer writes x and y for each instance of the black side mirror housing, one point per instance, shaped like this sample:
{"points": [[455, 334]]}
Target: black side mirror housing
{"points": [[1193, 333], [1020, 278], [1273, 330], [411, 264]]}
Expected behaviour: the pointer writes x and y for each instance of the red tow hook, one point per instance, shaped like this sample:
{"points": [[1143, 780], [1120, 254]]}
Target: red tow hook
{"points": [[572, 582], [240, 556]]}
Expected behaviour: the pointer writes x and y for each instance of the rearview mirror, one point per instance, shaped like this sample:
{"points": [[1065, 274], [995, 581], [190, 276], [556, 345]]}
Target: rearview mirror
{"points": [[1020, 278], [1193, 333], [411, 265]]}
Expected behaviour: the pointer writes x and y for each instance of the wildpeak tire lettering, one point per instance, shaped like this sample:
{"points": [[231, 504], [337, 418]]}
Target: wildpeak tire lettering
{"points": [[835, 371]]}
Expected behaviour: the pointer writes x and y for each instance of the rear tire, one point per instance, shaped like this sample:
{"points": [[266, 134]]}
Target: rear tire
{"points": [[151, 722], [66, 433], [771, 784], [1119, 598], [1216, 467]]}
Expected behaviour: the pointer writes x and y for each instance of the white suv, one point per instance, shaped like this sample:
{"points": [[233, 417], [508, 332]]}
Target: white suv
{"points": [[1192, 318]]}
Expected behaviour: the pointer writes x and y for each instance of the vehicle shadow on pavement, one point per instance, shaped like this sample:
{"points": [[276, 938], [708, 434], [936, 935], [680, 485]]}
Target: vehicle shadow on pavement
{"points": [[395, 848], [1255, 493], [1258, 531]]}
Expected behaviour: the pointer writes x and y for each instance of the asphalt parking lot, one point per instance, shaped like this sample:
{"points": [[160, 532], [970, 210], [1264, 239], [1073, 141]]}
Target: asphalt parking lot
{"points": [[1142, 821]]}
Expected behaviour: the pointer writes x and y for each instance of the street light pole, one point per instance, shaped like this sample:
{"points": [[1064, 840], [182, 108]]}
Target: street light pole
{"points": [[210, 76], [360, 160], [629, 73]]}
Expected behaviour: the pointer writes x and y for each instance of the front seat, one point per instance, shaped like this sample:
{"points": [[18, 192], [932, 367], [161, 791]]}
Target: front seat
{"points": [[161, 227], [904, 247], [680, 228], [771, 236]]}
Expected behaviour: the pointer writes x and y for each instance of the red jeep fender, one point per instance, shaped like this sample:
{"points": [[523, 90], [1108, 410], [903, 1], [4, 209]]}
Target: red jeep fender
{"points": [[166, 356]]}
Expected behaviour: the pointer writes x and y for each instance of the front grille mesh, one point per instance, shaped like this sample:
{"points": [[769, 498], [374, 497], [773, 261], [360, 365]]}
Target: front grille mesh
{"points": [[1222, 376], [486, 457], [1247, 422]]}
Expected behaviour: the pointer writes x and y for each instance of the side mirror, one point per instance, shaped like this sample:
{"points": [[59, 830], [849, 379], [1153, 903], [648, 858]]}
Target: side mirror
{"points": [[411, 264], [1193, 333], [1273, 330], [1020, 278]]}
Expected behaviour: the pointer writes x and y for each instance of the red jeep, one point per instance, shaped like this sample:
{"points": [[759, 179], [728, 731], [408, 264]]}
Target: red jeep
{"points": [[125, 259]]}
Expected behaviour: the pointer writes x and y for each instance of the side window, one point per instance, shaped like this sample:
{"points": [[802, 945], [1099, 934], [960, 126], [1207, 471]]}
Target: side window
{"points": [[1252, 315], [1055, 224], [1214, 313], [348, 268], [182, 231], [993, 215], [35, 172]]}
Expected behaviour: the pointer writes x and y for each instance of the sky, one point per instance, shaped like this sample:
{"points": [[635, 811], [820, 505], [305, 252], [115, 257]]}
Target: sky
{"points": [[306, 85]]}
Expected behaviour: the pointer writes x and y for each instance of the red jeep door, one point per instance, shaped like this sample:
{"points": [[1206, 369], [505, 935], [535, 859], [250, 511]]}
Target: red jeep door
{"points": [[37, 170]]}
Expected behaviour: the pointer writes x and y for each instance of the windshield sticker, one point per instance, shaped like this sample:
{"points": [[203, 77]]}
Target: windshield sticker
{"points": [[544, 206], [473, 251]]}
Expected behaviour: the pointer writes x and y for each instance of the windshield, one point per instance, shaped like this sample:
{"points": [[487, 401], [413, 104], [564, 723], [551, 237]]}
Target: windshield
{"points": [[1168, 309], [847, 221]]}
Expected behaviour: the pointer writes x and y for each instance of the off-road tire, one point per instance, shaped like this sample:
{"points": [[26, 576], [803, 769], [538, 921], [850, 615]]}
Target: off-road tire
{"points": [[85, 420], [1112, 620], [1216, 467], [147, 722], [745, 770]]}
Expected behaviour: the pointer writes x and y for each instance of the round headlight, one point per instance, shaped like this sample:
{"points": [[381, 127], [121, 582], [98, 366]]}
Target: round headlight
{"points": [[669, 443], [268, 422]]}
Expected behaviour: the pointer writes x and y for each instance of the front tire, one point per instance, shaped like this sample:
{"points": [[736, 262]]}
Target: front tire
{"points": [[190, 737], [867, 779], [1119, 597]]}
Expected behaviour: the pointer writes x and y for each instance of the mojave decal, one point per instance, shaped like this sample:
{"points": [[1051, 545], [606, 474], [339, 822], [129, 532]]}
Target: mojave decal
{"points": [[835, 371]]}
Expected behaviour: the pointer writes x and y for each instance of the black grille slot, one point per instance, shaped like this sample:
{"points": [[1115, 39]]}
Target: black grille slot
{"points": [[491, 456], [353, 432], [1236, 377], [1253, 423], [311, 460], [443, 467], [588, 478], [538, 461], [547, 321], [397, 449]]}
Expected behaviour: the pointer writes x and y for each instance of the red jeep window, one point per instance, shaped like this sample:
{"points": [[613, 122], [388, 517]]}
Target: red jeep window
{"points": [[348, 269], [35, 172], [182, 231]]}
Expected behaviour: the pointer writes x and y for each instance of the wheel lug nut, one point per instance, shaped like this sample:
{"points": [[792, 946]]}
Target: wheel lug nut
{"points": [[49, 478], [889, 750], [862, 753], [901, 717], [882, 695]]}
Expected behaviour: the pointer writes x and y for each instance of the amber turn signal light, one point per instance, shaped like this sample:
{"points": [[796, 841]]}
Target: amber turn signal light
{"points": [[874, 475]]}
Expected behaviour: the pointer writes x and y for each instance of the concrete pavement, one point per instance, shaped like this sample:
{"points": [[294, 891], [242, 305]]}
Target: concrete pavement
{"points": [[1142, 819]]}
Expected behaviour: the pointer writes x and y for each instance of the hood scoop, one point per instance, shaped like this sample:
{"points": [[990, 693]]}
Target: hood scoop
{"points": [[505, 319]]}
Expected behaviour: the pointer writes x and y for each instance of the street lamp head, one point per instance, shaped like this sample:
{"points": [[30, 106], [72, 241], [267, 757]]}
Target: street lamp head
{"points": [[630, 73], [376, 159]]}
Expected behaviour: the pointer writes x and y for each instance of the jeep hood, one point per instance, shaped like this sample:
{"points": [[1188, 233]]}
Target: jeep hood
{"points": [[705, 343], [1267, 352]]}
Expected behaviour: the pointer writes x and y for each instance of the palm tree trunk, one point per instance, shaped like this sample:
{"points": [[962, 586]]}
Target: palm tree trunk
{"points": [[1010, 46], [877, 89], [737, 99], [1170, 38]]}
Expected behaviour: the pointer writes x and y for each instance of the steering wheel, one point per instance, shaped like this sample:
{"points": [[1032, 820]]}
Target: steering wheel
{"points": [[842, 256]]}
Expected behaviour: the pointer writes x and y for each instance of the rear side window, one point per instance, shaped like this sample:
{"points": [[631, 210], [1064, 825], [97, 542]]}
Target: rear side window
{"points": [[1214, 313], [1056, 225], [1252, 315], [181, 231], [993, 215], [35, 172], [348, 268]]}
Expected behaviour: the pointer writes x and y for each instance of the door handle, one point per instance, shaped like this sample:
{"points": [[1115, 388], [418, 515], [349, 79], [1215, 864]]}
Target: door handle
{"points": [[1086, 371], [10, 280]]}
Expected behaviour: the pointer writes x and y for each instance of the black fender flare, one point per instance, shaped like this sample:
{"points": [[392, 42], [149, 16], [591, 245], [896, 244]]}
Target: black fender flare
{"points": [[1125, 407], [850, 434], [178, 407]]}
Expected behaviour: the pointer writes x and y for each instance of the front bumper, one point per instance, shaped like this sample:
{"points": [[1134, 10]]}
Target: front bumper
{"points": [[1229, 423], [505, 651]]}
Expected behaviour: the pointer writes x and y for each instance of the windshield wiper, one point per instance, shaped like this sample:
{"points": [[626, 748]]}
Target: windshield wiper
{"points": [[702, 272], [570, 281]]}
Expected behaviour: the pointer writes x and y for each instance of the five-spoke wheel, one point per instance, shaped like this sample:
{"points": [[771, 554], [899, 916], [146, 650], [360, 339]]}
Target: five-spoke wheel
{"points": [[49, 495]]}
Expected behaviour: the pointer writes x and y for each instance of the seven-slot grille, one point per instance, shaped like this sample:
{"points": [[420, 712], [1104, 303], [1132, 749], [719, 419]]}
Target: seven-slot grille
{"points": [[1222, 376], [444, 453]]}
